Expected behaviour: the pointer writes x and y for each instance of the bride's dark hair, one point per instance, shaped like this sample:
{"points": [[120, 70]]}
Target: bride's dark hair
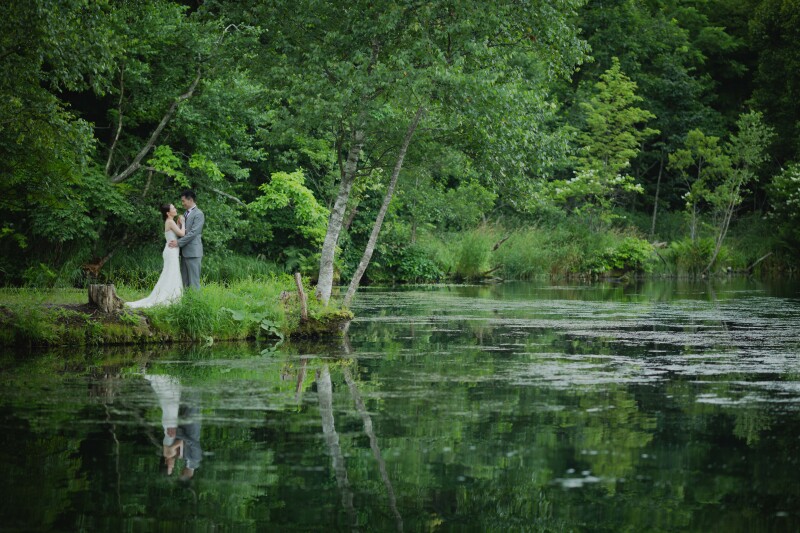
{"points": [[165, 209]]}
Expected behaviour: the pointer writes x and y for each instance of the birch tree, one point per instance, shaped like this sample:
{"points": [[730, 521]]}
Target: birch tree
{"points": [[352, 65], [747, 152]]}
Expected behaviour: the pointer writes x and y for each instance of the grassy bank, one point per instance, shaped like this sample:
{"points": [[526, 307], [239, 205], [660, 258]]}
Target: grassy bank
{"points": [[246, 309], [571, 248]]}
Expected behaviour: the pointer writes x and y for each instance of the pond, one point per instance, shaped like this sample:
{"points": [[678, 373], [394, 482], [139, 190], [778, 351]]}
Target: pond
{"points": [[653, 406]]}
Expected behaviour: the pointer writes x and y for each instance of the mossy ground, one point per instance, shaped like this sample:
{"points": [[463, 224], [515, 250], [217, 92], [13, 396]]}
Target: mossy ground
{"points": [[242, 311]]}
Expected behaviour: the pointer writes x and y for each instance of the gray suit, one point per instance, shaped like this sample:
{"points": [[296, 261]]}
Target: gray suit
{"points": [[189, 432], [191, 245]]}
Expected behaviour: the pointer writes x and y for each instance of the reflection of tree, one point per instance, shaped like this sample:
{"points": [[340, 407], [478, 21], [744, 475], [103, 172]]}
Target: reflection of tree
{"points": [[373, 444], [301, 377], [462, 444], [41, 469], [610, 433], [325, 396]]}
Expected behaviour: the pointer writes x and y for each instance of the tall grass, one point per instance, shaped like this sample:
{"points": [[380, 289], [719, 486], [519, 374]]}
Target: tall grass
{"points": [[750, 239], [243, 309], [547, 251], [554, 252], [474, 254], [140, 268]]}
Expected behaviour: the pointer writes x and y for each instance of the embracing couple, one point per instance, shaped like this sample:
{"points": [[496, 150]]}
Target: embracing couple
{"points": [[182, 253]]}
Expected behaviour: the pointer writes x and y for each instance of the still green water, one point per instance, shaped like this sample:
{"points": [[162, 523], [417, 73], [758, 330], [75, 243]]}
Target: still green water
{"points": [[661, 406]]}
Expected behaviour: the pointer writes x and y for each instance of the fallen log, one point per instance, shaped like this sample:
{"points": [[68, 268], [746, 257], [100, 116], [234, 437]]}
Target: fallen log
{"points": [[751, 267]]}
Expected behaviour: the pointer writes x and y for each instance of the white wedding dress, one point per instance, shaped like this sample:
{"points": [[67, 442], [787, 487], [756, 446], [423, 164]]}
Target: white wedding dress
{"points": [[169, 287]]}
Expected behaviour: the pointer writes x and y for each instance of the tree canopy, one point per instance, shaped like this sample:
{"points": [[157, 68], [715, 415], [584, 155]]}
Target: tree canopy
{"points": [[533, 110]]}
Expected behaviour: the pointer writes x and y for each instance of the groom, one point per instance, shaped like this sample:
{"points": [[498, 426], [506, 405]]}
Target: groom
{"points": [[191, 244]]}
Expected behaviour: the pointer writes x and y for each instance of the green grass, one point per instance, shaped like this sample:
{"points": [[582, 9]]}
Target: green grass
{"points": [[246, 309], [473, 259], [241, 310], [36, 296], [569, 247]]}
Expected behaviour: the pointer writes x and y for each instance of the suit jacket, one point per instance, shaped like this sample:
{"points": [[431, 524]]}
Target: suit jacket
{"points": [[191, 244]]}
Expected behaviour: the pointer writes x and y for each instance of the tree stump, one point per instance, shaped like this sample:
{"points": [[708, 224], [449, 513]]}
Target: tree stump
{"points": [[302, 296], [105, 298]]}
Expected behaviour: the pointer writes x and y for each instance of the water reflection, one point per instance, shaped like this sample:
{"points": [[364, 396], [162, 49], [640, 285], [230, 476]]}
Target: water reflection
{"points": [[325, 396], [180, 419], [542, 408]]}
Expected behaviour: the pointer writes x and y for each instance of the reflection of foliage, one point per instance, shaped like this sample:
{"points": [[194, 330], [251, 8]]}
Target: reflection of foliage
{"points": [[751, 424], [53, 461], [479, 422]]}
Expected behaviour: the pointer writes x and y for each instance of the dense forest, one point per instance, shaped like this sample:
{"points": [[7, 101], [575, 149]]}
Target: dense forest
{"points": [[418, 141]]}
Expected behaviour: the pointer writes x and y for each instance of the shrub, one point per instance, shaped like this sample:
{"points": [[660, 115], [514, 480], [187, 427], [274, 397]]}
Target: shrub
{"points": [[416, 266], [692, 256], [629, 254]]}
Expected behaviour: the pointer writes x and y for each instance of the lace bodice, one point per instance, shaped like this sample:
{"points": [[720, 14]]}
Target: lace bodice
{"points": [[170, 235]]}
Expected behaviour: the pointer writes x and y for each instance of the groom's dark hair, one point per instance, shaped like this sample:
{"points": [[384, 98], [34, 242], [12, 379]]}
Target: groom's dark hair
{"points": [[189, 193]]}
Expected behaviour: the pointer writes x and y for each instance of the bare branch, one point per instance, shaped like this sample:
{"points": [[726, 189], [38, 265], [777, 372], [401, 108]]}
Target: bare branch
{"points": [[226, 195], [225, 31], [137, 161], [119, 121]]}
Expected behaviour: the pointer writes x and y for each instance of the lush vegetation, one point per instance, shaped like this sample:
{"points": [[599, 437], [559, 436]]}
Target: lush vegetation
{"points": [[253, 309], [400, 141]]}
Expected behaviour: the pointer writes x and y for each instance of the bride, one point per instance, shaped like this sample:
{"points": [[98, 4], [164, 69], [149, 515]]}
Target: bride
{"points": [[170, 284]]}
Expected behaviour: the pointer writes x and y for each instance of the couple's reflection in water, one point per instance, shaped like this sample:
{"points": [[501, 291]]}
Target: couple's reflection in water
{"points": [[180, 419], [181, 423]]}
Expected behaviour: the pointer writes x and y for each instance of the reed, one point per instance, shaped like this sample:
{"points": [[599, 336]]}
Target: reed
{"points": [[474, 254]]}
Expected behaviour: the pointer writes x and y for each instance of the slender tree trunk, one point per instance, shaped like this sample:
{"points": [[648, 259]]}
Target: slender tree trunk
{"points": [[723, 228], [655, 203], [301, 295], [137, 161], [325, 278], [351, 216], [694, 201], [376, 228], [328, 254], [757, 261], [414, 213]]}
